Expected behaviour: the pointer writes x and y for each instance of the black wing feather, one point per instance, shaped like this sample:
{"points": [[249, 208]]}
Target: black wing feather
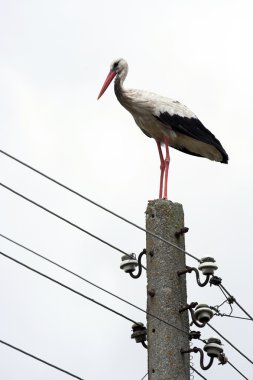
{"points": [[193, 128]]}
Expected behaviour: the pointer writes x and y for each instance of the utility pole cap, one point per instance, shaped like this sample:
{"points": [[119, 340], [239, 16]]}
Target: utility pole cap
{"points": [[207, 266], [203, 313]]}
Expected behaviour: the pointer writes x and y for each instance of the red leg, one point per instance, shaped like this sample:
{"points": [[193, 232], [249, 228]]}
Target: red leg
{"points": [[162, 167], [167, 163]]}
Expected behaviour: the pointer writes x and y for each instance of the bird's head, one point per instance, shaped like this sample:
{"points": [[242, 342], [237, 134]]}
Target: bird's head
{"points": [[118, 67]]}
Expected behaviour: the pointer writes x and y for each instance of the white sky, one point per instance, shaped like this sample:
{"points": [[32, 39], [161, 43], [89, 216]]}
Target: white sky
{"points": [[55, 56]]}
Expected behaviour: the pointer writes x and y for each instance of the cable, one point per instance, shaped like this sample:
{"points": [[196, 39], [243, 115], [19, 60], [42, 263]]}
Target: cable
{"points": [[41, 360], [225, 290], [233, 316], [113, 213], [219, 314], [237, 370], [226, 299], [107, 210], [66, 221], [68, 287], [60, 266], [144, 376], [194, 369], [114, 295], [98, 205], [91, 283], [235, 348]]}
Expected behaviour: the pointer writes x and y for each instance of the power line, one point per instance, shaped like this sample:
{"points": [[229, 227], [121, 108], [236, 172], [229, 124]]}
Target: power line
{"points": [[238, 370], [91, 283], [228, 300], [41, 360], [194, 369], [144, 376], [111, 212], [68, 287], [82, 278], [112, 294], [98, 205], [107, 210], [116, 296], [234, 300], [66, 221], [231, 344], [232, 316]]}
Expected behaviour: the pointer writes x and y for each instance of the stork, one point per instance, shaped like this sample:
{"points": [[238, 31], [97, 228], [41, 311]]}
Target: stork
{"points": [[168, 121]]}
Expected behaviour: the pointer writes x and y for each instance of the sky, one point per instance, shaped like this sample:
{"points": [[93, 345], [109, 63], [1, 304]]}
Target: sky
{"points": [[54, 57]]}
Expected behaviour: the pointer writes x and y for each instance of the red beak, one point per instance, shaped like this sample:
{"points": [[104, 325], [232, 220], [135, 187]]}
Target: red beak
{"points": [[108, 80]]}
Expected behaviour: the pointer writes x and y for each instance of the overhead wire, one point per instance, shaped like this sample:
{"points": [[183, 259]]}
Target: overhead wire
{"points": [[80, 294], [236, 369], [226, 299], [109, 211], [118, 216], [66, 221], [41, 360], [194, 369], [92, 283], [230, 299], [68, 288], [235, 301], [100, 206], [116, 296], [233, 316], [92, 235], [231, 344]]}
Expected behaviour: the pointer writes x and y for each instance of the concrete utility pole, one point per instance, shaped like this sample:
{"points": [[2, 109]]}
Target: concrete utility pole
{"points": [[166, 293]]}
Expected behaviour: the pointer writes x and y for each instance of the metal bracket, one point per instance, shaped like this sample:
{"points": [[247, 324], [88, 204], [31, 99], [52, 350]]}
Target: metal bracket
{"points": [[213, 349], [195, 350], [194, 335], [189, 270]]}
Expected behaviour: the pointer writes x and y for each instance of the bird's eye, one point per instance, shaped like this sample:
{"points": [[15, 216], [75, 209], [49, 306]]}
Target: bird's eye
{"points": [[115, 65]]}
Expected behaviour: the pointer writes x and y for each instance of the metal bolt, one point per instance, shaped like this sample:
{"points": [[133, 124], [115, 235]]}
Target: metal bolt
{"points": [[151, 292], [187, 307], [182, 231]]}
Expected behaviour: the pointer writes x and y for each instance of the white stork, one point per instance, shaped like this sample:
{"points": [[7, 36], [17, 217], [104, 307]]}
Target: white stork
{"points": [[166, 120]]}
